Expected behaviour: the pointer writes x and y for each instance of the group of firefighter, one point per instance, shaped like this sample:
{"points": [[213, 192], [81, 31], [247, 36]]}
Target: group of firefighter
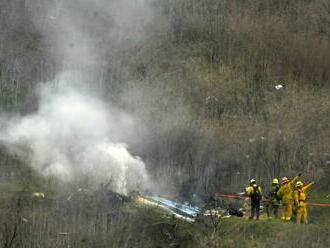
{"points": [[282, 198]]}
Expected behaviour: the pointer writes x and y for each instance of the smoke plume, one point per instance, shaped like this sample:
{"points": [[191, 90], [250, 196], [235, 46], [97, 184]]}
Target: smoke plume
{"points": [[74, 135]]}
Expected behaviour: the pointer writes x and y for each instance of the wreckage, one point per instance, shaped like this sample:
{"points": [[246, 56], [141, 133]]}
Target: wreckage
{"points": [[187, 212]]}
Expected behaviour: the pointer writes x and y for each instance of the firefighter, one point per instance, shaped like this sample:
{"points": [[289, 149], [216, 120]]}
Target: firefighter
{"points": [[273, 201], [255, 194], [285, 194], [300, 197]]}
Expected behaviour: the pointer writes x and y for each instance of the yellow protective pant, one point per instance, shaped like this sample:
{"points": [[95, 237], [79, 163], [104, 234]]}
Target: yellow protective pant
{"points": [[301, 215], [286, 211]]}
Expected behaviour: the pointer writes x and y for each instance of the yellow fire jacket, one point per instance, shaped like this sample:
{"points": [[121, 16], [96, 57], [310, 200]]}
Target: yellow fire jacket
{"points": [[249, 191], [286, 190], [300, 195]]}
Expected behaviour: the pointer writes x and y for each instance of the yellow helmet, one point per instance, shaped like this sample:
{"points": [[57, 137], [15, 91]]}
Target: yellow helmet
{"points": [[275, 181], [299, 184]]}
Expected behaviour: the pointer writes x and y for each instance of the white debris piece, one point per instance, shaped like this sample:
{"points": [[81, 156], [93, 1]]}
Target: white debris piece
{"points": [[69, 197], [39, 194], [278, 87]]}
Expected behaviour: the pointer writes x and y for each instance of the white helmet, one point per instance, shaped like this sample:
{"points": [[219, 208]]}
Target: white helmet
{"points": [[253, 181]]}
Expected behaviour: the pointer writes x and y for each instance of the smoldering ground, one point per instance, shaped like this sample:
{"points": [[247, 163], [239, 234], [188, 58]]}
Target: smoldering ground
{"points": [[74, 135]]}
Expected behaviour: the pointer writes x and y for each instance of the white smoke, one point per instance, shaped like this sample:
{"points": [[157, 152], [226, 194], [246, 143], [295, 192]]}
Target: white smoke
{"points": [[75, 137], [88, 33]]}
